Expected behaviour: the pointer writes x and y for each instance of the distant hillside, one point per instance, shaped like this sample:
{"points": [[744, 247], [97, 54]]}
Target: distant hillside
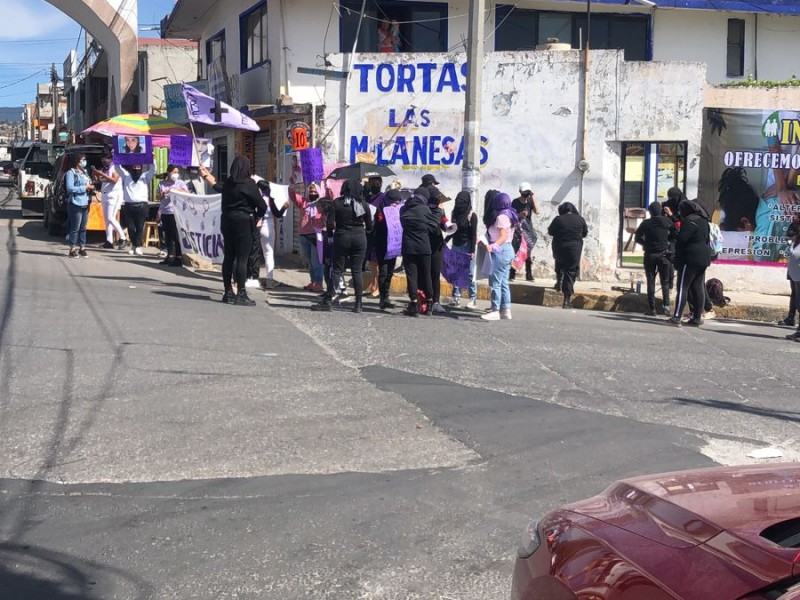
{"points": [[11, 113]]}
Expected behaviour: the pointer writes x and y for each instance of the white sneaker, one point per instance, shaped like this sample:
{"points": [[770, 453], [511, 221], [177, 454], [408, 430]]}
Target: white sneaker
{"points": [[252, 283], [472, 303], [491, 316], [138, 252], [438, 309], [130, 251], [709, 315], [162, 254], [505, 314]]}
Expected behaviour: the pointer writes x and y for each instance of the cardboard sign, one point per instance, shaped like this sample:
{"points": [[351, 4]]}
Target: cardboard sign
{"points": [[180, 150]]}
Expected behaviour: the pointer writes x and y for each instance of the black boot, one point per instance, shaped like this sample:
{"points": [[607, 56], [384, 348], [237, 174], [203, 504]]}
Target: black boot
{"points": [[386, 303], [528, 271], [324, 305], [228, 297], [412, 310], [357, 306], [429, 307], [512, 274], [559, 278], [242, 299], [567, 301]]}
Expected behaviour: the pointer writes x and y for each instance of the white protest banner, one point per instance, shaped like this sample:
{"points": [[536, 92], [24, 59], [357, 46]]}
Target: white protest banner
{"points": [[198, 219]]}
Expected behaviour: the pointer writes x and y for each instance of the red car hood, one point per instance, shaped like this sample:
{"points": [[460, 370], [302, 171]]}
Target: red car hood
{"points": [[687, 508]]}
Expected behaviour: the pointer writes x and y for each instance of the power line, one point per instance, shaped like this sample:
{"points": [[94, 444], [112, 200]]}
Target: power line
{"points": [[2, 87]]}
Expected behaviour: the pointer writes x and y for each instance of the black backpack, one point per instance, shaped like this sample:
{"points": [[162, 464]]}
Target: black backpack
{"points": [[716, 292]]}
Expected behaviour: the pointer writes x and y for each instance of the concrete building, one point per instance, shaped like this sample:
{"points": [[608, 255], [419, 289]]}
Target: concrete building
{"points": [[644, 118], [162, 62], [49, 113]]}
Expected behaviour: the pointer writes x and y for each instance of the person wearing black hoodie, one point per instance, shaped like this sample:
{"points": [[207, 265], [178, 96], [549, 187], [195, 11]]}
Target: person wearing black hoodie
{"points": [[241, 203], [349, 220], [568, 230], [465, 240], [437, 246], [655, 235], [419, 225], [692, 257]]}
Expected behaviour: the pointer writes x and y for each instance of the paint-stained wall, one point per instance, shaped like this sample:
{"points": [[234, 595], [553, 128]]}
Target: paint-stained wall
{"points": [[408, 110]]}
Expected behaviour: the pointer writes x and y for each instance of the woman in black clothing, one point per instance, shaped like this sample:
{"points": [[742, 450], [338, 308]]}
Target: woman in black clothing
{"points": [[568, 230], [437, 246], [465, 240], [692, 257], [241, 203], [348, 222], [418, 226]]}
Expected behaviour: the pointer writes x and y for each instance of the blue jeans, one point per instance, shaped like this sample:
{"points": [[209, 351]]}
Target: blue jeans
{"points": [[77, 218], [473, 287], [309, 250], [498, 280]]}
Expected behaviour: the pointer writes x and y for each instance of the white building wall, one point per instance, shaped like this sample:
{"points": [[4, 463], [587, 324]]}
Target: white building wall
{"points": [[164, 64], [532, 119]]}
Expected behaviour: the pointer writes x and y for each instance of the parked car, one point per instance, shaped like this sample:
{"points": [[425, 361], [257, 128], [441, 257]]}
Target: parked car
{"points": [[35, 173], [728, 533], [8, 173], [55, 195]]}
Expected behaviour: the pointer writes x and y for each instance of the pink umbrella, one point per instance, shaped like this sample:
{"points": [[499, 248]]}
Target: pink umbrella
{"points": [[137, 124]]}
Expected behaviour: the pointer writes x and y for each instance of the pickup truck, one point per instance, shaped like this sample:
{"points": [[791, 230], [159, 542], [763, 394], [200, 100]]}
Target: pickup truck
{"points": [[35, 173]]}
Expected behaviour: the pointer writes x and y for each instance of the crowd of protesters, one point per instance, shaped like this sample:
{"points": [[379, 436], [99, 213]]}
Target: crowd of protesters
{"points": [[351, 232]]}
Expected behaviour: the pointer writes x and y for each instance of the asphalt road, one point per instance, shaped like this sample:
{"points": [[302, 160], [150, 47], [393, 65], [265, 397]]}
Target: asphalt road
{"points": [[155, 443]]}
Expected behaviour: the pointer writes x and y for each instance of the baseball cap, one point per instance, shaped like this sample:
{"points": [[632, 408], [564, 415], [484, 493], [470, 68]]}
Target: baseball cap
{"points": [[525, 187], [429, 179]]}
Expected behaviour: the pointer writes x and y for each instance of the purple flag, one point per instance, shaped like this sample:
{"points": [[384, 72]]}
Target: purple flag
{"points": [[205, 109], [394, 240], [455, 267]]}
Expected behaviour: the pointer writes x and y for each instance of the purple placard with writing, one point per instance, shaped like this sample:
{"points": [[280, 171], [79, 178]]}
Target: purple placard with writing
{"points": [[455, 267], [311, 164], [394, 241], [133, 149], [180, 150]]}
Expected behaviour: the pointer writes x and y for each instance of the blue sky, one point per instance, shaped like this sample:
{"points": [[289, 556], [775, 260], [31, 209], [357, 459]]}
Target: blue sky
{"points": [[41, 35]]}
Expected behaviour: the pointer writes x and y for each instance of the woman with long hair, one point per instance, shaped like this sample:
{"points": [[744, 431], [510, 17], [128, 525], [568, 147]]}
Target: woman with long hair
{"points": [[568, 230], [348, 222], [78, 186], [500, 222], [241, 203], [464, 240]]}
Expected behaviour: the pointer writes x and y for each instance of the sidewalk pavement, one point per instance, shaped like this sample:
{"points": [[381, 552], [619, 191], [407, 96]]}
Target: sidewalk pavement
{"points": [[589, 295]]}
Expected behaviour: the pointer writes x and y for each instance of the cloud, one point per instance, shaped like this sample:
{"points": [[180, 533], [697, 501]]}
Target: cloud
{"points": [[33, 19]]}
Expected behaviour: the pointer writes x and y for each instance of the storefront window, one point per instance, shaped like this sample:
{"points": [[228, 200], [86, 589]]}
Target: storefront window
{"points": [[394, 26]]}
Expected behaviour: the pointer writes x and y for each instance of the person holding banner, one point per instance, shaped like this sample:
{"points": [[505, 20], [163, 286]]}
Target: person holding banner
{"points": [[387, 224], [112, 196], [136, 190], [465, 240], [349, 221], [166, 214], [310, 220], [241, 203]]}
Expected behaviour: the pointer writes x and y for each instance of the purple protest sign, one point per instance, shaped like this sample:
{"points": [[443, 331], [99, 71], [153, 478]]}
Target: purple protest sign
{"points": [[133, 150], [456, 267], [394, 241], [311, 164], [180, 150]]}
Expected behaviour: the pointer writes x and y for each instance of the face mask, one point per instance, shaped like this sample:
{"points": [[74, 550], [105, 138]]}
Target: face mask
{"points": [[174, 176], [83, 163], [313, 196], [375, 189]]}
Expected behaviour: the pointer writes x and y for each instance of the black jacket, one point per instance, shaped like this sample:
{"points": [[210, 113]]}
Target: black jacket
{"points": [[654, 234], [419, 225], [342, 216], [568, 232], [691, 247], [467, 236], [241, 199], [437, 238]]}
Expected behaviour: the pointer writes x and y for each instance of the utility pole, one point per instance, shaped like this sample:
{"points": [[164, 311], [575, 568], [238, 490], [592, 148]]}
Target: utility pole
{"points": [[471, 169]]}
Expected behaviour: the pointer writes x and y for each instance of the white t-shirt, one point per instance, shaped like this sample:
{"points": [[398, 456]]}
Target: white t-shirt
{"points": [[136, 192], [501, 222], [109, 188]]}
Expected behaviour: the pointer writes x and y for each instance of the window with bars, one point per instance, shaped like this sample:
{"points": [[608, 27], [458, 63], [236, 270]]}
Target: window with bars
{"points": [[735, 47], [253, 36]]}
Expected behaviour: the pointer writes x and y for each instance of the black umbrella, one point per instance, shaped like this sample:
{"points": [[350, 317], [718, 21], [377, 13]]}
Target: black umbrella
{"points": [[360, 170]]}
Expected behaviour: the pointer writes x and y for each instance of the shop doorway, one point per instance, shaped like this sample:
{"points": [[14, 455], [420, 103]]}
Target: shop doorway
{"points": [[649, 170]]}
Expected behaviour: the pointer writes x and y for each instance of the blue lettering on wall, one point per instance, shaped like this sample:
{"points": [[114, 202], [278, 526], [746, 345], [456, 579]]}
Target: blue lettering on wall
{"points": [[417, 150], [385, 76]]}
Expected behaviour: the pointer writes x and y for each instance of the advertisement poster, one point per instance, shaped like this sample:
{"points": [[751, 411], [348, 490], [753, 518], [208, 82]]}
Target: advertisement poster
{"points": [[749, 178]]}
